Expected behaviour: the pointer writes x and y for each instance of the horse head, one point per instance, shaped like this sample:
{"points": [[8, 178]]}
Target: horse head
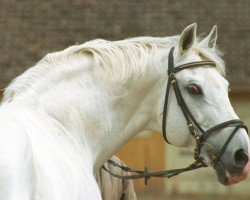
{"points": [[198, 105]]}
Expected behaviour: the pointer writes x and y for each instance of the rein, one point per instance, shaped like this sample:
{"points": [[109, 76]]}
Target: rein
{"points": [[192, 126]]}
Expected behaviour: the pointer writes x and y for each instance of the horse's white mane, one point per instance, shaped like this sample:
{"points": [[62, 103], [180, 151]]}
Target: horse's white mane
{"points": [[117, 60]]}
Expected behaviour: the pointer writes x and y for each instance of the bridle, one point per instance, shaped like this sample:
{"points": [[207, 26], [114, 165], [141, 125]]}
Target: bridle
{"points": [[192, 124]]}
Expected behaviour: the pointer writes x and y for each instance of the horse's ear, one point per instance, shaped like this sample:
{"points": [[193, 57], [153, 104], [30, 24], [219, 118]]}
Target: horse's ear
{"points": [[187, 38], [210, 40]]}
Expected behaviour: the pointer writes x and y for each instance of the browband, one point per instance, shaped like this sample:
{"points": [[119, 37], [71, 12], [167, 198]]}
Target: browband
{"points": [[191, 65]]}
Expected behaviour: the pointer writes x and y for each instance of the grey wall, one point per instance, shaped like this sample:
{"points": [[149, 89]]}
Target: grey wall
{"points": [[30, 28]]}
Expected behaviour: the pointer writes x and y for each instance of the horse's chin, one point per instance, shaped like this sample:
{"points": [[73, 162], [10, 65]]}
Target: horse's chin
{"points": [[226, 178]]}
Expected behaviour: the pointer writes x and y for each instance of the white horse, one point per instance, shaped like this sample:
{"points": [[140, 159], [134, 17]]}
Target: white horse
{"points": [[63, 118]]}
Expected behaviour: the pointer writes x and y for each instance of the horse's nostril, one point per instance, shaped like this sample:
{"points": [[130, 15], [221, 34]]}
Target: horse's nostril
{"points": [[240, 158]]}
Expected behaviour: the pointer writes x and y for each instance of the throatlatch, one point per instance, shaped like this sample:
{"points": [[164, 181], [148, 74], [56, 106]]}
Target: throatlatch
{"points": [[192, 124]]}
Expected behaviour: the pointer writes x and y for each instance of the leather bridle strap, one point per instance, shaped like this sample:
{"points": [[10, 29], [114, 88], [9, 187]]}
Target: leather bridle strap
{"points": [[172, 80], [230, 123], [217, 158], [191, 65], [137, 174]]}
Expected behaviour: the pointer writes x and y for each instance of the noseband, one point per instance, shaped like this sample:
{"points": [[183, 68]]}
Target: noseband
{"points": [[191, 121], [192, 124]]}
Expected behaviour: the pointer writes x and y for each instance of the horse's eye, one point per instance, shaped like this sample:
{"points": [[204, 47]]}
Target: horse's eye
{"points": [[194, 89]]}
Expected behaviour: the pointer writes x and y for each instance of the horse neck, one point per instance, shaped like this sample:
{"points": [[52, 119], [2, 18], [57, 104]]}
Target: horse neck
{"points": [[127, 112], [102, 117]]}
